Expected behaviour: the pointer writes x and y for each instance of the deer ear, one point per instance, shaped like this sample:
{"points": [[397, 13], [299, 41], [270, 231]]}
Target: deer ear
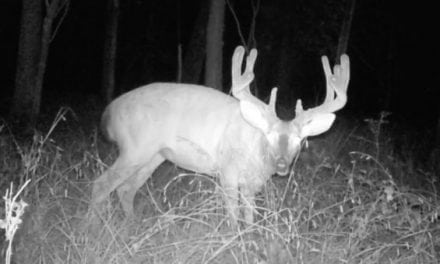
{"points": [[319, 124], [254, 115]]}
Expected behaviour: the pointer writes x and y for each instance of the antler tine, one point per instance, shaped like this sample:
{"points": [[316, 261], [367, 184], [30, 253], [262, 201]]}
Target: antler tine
{"points": [[330, 93], [337, 84], [273, 100], [299, 108], [237, 60], [240, 82], [250, 61]]}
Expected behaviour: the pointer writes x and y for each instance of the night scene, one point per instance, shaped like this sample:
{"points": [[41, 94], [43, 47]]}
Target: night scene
{"points": [[219, 131]]}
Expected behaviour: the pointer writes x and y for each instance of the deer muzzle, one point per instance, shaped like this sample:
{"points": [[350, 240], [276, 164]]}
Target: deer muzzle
{"points": [[282, 166]]}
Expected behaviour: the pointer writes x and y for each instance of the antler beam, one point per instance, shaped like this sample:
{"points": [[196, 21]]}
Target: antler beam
{"points": [[241, 81], [336, 95]]}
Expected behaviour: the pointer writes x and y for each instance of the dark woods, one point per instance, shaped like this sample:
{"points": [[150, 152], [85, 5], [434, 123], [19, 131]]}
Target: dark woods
{"points": [[83, 53]]}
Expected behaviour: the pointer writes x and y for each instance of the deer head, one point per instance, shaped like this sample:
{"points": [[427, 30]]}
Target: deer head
{"points": [[285, 137], [238, 139]]}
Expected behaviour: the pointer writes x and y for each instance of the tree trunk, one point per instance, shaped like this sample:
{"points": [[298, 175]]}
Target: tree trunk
{"points": [[195, 51], [214, 45], [35, 37], [23, 107], [437, 134], [52, 10], [110, 46], [434, 155], [344, 35]]}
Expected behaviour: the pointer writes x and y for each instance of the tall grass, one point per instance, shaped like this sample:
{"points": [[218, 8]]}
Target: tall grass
{"points": [[349, 199]]}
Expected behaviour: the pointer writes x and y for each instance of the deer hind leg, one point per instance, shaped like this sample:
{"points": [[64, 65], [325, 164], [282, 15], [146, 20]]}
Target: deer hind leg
{"points": [[122, 169], [127, 190]]}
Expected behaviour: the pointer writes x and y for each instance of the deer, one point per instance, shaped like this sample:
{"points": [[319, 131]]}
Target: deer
{"points": [[239, 139]]}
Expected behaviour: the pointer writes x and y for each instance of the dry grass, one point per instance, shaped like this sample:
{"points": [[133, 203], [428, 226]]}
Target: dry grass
{"points": [[347, 201]]}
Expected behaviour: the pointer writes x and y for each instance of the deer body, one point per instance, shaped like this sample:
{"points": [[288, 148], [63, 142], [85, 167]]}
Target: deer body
{"points": [[238, 138], [157, 118], [195, 127]]}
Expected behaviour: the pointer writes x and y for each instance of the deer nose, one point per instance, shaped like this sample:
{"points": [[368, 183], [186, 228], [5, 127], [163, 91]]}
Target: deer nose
{"points": [[282, 167]]}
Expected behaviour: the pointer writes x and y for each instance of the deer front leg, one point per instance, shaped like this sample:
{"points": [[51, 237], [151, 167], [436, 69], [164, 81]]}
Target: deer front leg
{"points": [[232, 204], [248, 200], [229, 183]]}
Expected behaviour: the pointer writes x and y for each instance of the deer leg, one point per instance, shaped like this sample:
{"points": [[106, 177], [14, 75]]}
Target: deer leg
{"points": [[127, 190], [125, 166], [230, 186], [232, 205], [109, 180], [248, 200]]}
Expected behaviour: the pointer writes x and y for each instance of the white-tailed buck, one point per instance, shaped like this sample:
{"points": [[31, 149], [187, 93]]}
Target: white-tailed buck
{"points": [[238, 139]]}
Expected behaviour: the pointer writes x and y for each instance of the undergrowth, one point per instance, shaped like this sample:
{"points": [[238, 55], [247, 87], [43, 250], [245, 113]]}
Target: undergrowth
{"points": [[350, 198]]}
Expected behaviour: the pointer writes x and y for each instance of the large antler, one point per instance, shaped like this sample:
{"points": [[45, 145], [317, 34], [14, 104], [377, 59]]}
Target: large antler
{"points": [[241, 81], [336, 95]]}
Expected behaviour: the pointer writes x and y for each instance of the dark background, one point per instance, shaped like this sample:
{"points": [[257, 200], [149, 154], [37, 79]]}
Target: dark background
{"points": [[392, 50]]}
